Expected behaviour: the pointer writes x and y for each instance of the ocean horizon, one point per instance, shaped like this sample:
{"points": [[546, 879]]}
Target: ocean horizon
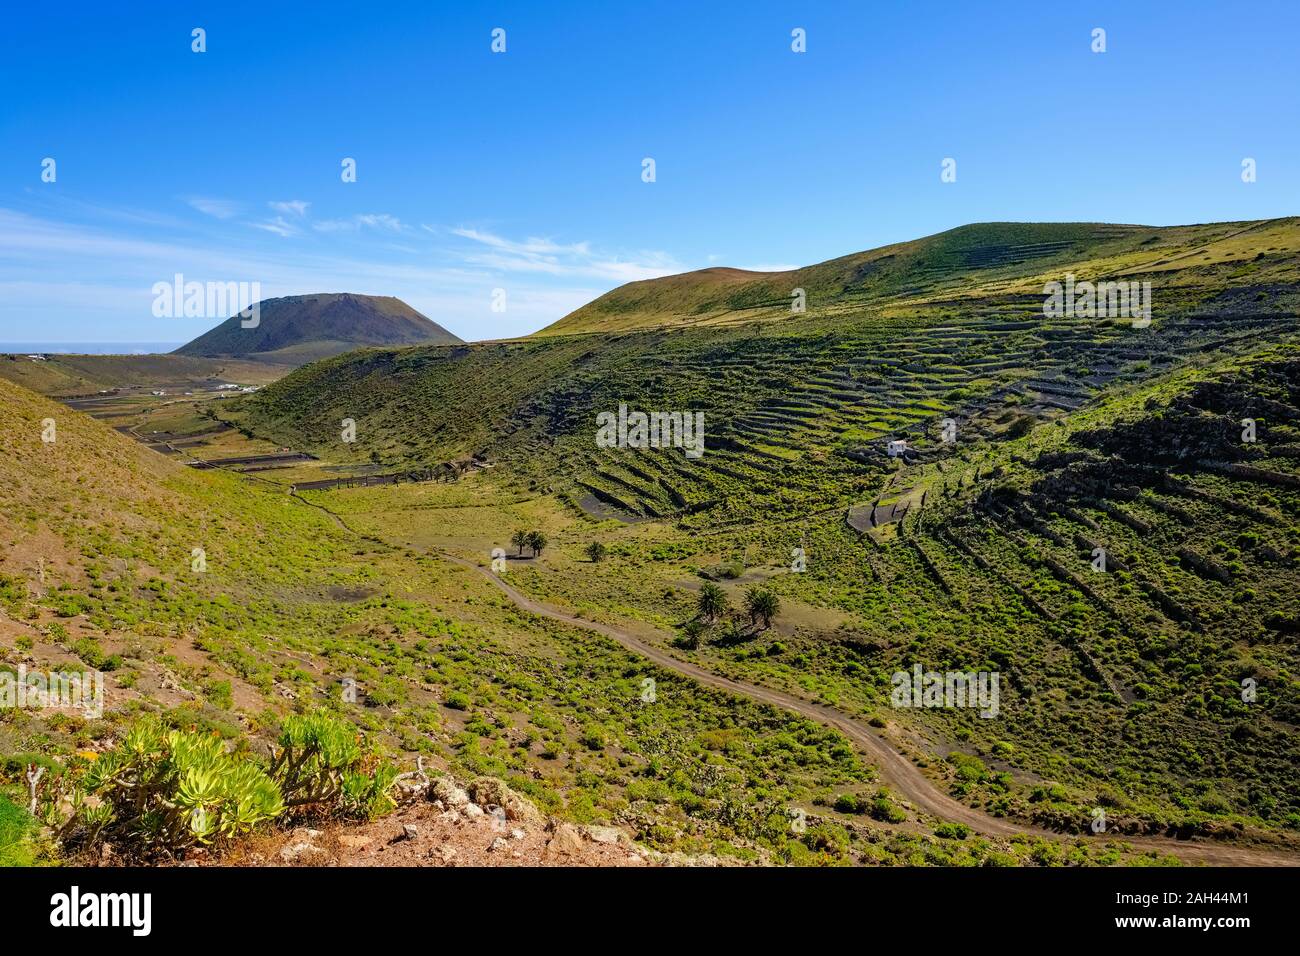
{"points": [[90, 348]]}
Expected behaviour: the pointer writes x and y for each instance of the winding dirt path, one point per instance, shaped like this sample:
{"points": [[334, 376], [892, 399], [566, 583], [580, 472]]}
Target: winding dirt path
{"points": [[895, 769]]}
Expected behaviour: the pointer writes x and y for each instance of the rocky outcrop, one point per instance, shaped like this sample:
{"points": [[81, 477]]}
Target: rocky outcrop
{"points": [[482, 823]]}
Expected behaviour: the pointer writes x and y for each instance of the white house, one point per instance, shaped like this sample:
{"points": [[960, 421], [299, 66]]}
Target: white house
{"points": [[896, 447]]}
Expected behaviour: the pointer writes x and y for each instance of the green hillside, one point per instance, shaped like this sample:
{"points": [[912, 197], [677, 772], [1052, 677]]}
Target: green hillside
{"points": [[978, 261], [298, 329], [97, 569], [797, 412]]}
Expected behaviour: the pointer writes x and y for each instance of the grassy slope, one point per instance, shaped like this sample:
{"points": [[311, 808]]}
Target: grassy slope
{"points": [[1126, 685], [1122, 689], [96, 539], [980, 259], [795, 411]]}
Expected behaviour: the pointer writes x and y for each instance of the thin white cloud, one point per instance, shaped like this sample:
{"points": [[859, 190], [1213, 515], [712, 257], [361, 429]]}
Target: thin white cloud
{"points": [[218, 208], [279, 225], [545, 256], [381, 222], [529, 247], [292, 207], [96, 297]]}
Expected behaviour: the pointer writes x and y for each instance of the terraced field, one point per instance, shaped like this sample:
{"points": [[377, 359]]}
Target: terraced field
{"points": [[797, 413]]}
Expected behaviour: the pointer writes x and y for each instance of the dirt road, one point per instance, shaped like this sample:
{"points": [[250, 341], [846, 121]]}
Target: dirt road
{"points": [[896, 770]]}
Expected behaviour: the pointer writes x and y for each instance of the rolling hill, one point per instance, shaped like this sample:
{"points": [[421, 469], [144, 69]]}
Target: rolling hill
{"points": [[298, 329], [795, 404], [978, 260]]}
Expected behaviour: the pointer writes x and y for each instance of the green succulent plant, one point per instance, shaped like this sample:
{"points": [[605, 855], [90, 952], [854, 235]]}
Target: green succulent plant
{"points": [[170, 790], [322, 764]]}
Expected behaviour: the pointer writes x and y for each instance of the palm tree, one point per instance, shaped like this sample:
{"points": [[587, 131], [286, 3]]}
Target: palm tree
{"points": [[761, 606], [712, 602], [690, 638], [519, 539], [536, 541]]}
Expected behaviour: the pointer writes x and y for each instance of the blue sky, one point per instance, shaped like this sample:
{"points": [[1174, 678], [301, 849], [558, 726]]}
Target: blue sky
{"points": [[522, 170]]}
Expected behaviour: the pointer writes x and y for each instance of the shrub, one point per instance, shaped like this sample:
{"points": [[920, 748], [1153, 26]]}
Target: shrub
{"points": [[969, 768], [13, 592], [167, 791], [828, 838], [692, 631], [321, 766], [92, 654], [849, 803], [1278, 621], [218, 693], [885, 810], [731, 570], [1214, 804], [1022, 426], [952, 831], [68, 605]]}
